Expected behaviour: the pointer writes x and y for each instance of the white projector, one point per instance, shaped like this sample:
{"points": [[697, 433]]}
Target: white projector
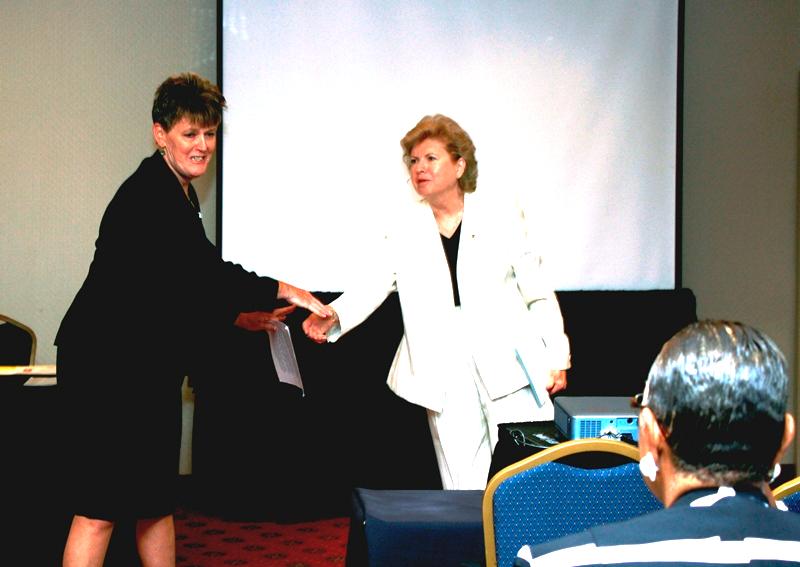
{"points": [[606, 417]]}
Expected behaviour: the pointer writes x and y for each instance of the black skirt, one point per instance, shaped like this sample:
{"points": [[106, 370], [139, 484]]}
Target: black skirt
{"points": [[120, 428]]}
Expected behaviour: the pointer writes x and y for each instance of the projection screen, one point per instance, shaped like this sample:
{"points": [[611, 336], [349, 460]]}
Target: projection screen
{"points": [[572, 105]]}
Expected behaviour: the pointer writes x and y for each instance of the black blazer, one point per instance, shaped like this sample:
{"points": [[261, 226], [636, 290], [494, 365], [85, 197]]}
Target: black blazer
{"points": [[157, 285]]}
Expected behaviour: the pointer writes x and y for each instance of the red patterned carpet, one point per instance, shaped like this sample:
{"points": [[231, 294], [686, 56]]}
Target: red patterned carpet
{"points": [[206, 541]]}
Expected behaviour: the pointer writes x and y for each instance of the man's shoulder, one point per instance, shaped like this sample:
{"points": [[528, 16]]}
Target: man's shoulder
{"points": [[636, 530], [708, 533]]}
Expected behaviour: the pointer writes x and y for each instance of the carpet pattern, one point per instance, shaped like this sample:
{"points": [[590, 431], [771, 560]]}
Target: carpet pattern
{"points": [[207, 541]]}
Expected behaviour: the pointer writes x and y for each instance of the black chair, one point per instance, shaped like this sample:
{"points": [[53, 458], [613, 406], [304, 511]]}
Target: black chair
{"points": [[17, 343]]}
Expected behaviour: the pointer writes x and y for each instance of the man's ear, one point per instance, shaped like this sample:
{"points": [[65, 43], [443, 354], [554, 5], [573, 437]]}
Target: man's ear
{"points": [[788, 436], [650, 436]]}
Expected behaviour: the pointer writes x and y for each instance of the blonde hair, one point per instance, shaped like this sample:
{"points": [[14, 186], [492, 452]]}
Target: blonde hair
{"points": [[455, 138]]}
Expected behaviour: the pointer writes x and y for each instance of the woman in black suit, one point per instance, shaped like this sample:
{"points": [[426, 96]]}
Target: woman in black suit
{"points": [[136, 327]]}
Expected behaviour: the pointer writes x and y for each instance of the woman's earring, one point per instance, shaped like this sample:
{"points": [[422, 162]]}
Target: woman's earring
{"points": [[162, 150], [648, 467]]}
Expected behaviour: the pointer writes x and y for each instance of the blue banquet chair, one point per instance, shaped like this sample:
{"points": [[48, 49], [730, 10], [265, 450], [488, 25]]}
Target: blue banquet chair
{"points": [[561, 490], [789, 493]]}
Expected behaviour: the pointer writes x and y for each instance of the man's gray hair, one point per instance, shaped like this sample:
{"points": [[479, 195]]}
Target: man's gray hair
{"points": [[719, 391]]}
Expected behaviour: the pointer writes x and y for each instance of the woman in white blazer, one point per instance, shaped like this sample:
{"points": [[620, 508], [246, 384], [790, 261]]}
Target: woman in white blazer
{"points": [[483, 340]]}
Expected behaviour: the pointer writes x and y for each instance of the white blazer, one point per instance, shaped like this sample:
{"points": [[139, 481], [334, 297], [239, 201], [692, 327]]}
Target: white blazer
{"points": [[509, 312]]}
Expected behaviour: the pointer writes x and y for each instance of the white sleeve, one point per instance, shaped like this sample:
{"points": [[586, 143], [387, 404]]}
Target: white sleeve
{"points": [[537, 291], [362, 299]]}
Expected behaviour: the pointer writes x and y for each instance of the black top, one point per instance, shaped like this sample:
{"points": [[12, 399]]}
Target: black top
{"points": [[451, 251]]}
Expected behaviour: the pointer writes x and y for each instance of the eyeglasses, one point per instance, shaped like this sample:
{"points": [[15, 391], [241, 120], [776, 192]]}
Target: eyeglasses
{"points": [[637, 401]]}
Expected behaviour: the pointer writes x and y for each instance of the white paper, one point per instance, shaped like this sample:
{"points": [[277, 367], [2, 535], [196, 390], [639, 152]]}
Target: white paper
{"points": [[280, 342]]}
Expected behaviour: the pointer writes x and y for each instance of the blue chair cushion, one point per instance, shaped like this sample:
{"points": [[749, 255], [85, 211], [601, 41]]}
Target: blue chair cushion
{"points": [[553, 500], [792, 501]]}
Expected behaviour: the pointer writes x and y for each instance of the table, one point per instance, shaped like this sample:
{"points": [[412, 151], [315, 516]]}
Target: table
{"points": [[394, 528], [32, 462], [36, 375], [419, 528]]}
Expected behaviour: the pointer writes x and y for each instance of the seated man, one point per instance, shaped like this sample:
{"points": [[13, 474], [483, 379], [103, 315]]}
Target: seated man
{"points": [[712, 430]]}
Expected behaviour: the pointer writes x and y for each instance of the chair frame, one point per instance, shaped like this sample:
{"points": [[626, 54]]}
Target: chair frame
{"points": [[28, 330], [787, 488], [553, 453]]}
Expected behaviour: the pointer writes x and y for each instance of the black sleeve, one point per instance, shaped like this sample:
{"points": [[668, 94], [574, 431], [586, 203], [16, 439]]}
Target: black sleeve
{"points": [[162, 265]]}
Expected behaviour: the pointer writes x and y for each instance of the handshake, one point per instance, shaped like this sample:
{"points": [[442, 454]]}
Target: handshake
{"points": [[317, 325], [317, 328]]}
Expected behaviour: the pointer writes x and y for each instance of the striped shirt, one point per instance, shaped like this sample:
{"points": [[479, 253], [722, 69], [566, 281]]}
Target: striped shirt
{"points": [[704, 527]]}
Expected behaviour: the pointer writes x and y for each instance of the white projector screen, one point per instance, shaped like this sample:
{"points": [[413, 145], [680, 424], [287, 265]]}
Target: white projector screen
{"points": [[572, 105]]}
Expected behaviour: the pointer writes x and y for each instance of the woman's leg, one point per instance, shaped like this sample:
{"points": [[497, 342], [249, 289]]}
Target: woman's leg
{"points": [[87, 542], [465, 433], [155, 540], [460, 435]]}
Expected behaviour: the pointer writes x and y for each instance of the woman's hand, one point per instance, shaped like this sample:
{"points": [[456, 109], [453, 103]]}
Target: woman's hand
{"points": [[262, 320], [316, 328], [304, 299], [557, 382]]}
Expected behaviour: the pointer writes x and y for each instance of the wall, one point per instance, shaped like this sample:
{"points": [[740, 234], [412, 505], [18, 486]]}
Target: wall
{"points": [[76, 88], [742, 63], [77, 79]]}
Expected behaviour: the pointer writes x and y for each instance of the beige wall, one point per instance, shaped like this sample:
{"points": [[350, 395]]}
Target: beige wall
{"points": [[77, 79], [76, 87], [741, 65]]}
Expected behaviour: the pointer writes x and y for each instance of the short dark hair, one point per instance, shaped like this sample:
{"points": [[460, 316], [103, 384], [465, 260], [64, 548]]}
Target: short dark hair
{"points": [[187, 95], [458, 142], [719, 392]]}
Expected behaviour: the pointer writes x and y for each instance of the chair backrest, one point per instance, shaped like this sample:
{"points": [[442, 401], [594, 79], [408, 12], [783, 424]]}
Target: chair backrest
{"points": [[17, 343], [789, 493], [538, 499]]}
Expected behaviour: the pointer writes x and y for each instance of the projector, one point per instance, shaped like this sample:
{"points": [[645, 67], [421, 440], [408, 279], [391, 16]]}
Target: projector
{"points": [[605, 417]]}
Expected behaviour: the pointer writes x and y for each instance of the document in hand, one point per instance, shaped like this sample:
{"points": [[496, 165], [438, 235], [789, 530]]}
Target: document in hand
{"points": [[280, 342]]}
